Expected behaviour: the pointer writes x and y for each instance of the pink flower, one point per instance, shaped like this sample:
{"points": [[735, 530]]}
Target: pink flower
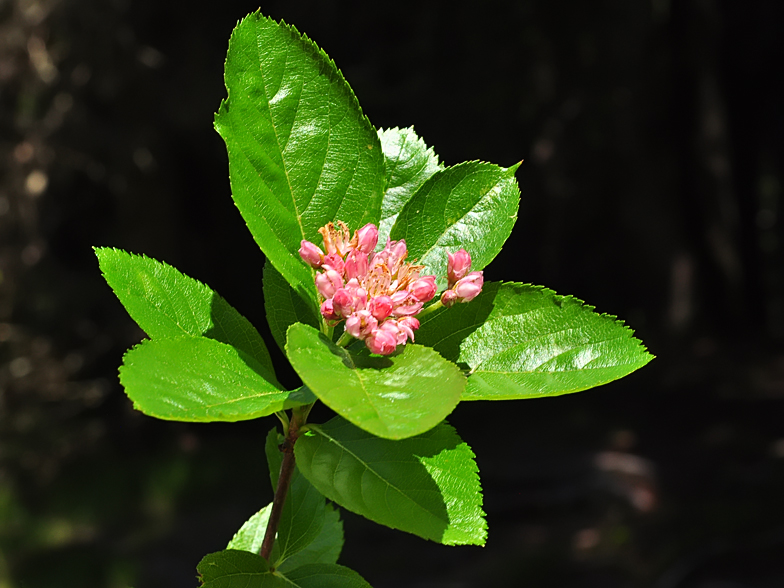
{"points": [[448, 298], [333, 261], [423, 289], [311, 254], [380, 307], [343, 302], [328, 282], [457, 266], [381, 341], [356, 265], [361, 324], [469, 287], [408, 325], [328, 312], [366, 238]]}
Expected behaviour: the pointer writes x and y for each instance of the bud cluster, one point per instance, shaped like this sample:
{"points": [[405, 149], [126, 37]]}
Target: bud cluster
{"points": [[378, 293], [463, 286]]}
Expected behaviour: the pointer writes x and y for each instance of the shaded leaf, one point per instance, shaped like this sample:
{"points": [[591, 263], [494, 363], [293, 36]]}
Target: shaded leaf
{"points": [[325, 548], [301, 153], [409, 162], [427, 485], [472, 206], [396, 396], [284, 306], [200, 379], [523, 341], [240, 569], [167, 303]]}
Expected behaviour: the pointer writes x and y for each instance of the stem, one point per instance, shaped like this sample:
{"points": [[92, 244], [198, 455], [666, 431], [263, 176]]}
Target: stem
{"points": [[284, 480], [426, 311], [345, 338]]}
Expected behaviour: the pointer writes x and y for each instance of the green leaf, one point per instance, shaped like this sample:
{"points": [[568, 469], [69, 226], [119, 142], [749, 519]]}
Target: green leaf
{"points": [[301, 152], [471, 206], [251, 534], [325, 548], [409, 162], [427, 485], [284, 306], [240, 569], [523, 341], [237, 569], [202, 380], [396, 396], [167, 303], [325, 576]]}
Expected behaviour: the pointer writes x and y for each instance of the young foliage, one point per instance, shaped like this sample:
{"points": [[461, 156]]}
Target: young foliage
{"points": [[301, 152], [471, 206], [397, 396], [427, 485], [409, 163], [523, 341]]}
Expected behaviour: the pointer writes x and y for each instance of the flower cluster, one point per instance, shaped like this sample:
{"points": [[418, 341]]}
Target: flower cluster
{"points": [[378, 293]]}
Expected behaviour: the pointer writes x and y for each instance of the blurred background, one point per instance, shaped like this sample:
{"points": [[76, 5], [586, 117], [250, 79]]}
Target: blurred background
{"points": [[653, 139]]}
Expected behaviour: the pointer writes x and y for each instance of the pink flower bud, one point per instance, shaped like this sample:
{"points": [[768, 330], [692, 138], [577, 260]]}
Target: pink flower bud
{"points": [[457, 266], [381, 342], [333, 261], [356, 265], [448, 298], [343, 302], [328, 312], [366, 238], [408, 325], [380, 307], [327, 282], [469, 287], [311, 254], [361, 324], [424, 288]]}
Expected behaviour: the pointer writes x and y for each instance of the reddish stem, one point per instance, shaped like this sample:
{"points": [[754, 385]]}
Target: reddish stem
{"points": [[284, 482]]}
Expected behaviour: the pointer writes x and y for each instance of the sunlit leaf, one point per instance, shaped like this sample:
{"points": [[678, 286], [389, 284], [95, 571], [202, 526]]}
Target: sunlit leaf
{"points": [[396, 396], [409, 162], [167, 303], [472, 206], [203, 380], [301, 152], [523, 341]]}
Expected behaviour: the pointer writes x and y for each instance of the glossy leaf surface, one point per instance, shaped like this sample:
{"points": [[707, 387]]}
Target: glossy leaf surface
{"points": [[284, 306], [396, 396], [427, 485], [409, 162], [202, 380], [167, 303], [240, 569], [301, 153], [471, 206], [523, 341]]}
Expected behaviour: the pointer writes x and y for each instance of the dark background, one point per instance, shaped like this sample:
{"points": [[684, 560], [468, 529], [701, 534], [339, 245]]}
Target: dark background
{"points": [[652, 135]]}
